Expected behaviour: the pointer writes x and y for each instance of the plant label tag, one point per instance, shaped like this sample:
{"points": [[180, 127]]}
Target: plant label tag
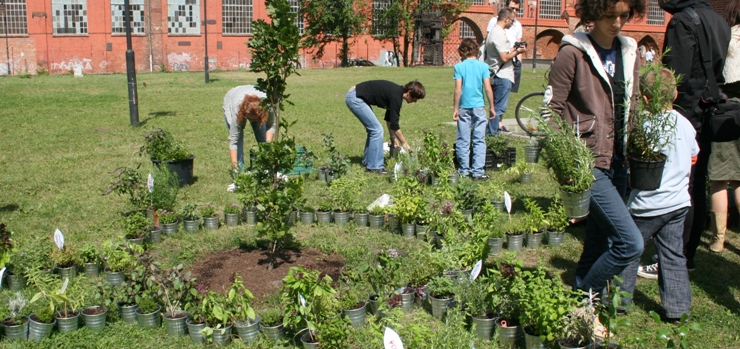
{"points": [[59, 238], [391, 340], [150, 183], [507, 201], [64, 286], [476, 269], [302, 300], [2, 273], [397, 169]]}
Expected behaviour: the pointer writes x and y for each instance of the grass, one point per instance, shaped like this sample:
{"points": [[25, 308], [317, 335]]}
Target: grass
{"points": [[62, 136]]}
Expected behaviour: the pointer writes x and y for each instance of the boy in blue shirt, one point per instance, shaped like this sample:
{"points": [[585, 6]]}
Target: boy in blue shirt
{"points": [[471, 76]]}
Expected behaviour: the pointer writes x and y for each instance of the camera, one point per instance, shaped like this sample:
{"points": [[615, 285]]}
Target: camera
{"points": [[519, 44]]}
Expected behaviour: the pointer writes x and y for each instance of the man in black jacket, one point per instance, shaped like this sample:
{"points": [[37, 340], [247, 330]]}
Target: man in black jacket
{"points": [[685, 59]]}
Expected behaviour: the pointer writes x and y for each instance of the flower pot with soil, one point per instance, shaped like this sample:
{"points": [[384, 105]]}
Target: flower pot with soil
{"points": [[95, 317], [441, 290], [210, 218], [148, 313], [39, 329], [231, 215]]}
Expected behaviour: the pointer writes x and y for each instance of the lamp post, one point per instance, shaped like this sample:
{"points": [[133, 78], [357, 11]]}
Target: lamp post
{"points": [[133, 98], [205, 29], [5, 29], [536, 20]]}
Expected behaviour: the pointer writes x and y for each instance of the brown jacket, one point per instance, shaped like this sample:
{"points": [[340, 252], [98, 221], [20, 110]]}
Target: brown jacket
{"points": [[581, 93]]}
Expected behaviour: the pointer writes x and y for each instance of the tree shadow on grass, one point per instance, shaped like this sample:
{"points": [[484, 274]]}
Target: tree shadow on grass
{"points": [[157, 114], [9, 208]]}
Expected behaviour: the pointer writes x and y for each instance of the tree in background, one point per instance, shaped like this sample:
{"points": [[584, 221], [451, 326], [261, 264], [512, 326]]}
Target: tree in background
{"points": [[332, 21]]}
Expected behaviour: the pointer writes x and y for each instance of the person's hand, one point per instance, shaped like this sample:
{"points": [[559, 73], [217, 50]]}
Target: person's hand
{"points": [[455, 116], [407, 147], [492, 114]]}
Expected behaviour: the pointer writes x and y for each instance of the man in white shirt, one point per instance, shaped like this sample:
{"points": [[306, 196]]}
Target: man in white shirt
{"points": [[514, 34], [499, 56], [649, 55]]}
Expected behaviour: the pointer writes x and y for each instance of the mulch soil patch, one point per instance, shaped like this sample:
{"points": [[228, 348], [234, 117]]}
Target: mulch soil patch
{"points": [[215, 270]]}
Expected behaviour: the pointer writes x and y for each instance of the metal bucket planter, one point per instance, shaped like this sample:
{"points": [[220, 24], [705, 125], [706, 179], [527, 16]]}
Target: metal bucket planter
{"points": [[534, 342], [175, 325], [341, 218], [194, 330], [211, 223], [191, 224], [576, 204], [361, 219], [525, 177], [499, 205], [321, 175], [323, 217], [532, 154], [307, 343], [95, 317], [507, 336], [562, 344], [307, 218], [495, 246], [136, 241], [231, 220], [376, 221], [646, 175], [421, 228], [92, 270], [222, 336], [407, 299], [483, 327], [155, 236], [68, 324], [150, 320], [16, 332], [514, 242], [16, 282], [250, 216], [534, 240], [433, 180], [454, 178], [373, 304], [357, 315], [171, 228], [68, 272], [248, 331], [555, 238], [38, 330], [393, 223], [408, 230], [273, 333], [439, 307], [128, 312], [115, 278]]}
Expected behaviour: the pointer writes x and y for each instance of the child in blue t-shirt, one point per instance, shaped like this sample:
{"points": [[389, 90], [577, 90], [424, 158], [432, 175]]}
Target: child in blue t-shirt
{"points": [[471, 76], [660, 213]]}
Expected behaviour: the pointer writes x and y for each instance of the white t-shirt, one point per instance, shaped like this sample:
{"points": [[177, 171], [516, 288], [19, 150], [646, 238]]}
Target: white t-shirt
{"points": [[513, 34], [649, 55], [496, 42]]}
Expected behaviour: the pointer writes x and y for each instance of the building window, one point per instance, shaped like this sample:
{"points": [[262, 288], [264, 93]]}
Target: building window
{"points": [[381, 25], [118, 16], [15, 18], [237, 17], [69, 17], [183, 17], [656, 15], [466, 31], [295, 7], [550, 9], [478, 2]]}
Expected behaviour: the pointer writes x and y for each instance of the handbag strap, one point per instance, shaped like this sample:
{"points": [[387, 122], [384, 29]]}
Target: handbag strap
{"points": [[705, 52]]}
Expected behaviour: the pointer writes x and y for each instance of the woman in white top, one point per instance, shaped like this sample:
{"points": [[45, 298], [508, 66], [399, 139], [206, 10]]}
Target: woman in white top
{"points": [[242, 103]]}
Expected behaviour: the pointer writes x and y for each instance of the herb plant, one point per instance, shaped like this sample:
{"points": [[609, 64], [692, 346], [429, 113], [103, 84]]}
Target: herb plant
{"points": [[6, 245], [89, 253], [188, 211], [436, 154], [168, 217], [232, 209], [308, 296], [556, 218], [568, 158], [160, 145], [208, 211], [137, 225], [544, 303], [442, 287]]}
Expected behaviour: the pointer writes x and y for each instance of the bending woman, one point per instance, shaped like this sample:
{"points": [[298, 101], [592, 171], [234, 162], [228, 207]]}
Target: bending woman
{"points": [[594, 83], [389, 96], [242, 103]]}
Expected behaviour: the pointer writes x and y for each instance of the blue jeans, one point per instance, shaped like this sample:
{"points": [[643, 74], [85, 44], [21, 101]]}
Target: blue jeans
{"points": [[673, 277], [501, 91], [372, 158], [475, 119], [259, 135], [612, 239]]}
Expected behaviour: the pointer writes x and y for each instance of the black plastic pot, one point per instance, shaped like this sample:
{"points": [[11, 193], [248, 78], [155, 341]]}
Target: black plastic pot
{"points": [[646, 175], [182, 168]]}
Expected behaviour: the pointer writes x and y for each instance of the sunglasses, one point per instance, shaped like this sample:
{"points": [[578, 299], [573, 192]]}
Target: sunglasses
{"points": [[514, 8]]}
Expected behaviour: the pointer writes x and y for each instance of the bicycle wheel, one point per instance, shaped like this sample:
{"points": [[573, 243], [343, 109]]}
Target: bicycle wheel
{"points": [[527, 109]]}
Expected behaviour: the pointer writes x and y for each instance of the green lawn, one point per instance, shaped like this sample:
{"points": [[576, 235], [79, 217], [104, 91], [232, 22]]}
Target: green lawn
{"points": [[62, 136]]}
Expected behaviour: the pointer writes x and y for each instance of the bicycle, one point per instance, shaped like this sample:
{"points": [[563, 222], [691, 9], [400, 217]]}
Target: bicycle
{"points": [[529, 107]]}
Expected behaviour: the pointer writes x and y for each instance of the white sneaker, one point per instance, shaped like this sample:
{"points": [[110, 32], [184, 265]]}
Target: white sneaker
{"points": [[231, 187], [648, 271]]}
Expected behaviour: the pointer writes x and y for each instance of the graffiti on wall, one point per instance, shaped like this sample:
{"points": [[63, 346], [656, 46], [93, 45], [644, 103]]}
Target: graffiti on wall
{"points": [[85, 64], [179, 61]]}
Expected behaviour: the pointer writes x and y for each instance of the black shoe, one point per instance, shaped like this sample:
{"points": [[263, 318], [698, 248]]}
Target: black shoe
{"points": [[380, 171], [503, 129], [483, 177]]}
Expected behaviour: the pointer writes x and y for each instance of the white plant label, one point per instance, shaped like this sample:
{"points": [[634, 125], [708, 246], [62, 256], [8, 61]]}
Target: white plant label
{"points": [[397, 169], [303, 300], [64, 286], [507, 201], [476, 269], [150, 183], [59, 238], [391, 340], [2, 272]]}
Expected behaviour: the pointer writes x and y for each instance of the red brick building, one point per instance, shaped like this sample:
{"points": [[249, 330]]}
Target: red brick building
{"points": [[59, 35]]}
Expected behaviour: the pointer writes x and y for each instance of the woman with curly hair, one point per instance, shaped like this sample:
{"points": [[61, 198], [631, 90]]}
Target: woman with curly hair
{"points": [[593, 85], [242, 103]]}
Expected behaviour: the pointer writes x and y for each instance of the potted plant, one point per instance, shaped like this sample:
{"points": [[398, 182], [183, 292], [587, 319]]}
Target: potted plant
{"points": [[505, 292], [90, 257], [523, 170], [15, 326], [169, 220], [323, 212], [570, 162], [173, 289], [473, 295], [271, 323], [95, 312], [196, 322], [360, 214], [190, 220], [646, 137], [148, 313], [488, 223], [532, 151], [344, 193], [210, 217], [65, 260], [467, 197], [307, 213], [376, 217], [436, 156], [137, 228], [442, 289], [65, 307], [50, 295], [119, 259], [161, 147], [557, 221], [578, 327], [218, 315], [337, 164], [535, 223], [308, 296], [543, 304], [496, 145], [245, 320], [351, 297], [162, 189], [515, 229], [231, 215], [406, 207]]}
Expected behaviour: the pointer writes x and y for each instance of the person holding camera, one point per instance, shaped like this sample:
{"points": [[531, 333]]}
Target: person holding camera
{"points": [[499, 55]]}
